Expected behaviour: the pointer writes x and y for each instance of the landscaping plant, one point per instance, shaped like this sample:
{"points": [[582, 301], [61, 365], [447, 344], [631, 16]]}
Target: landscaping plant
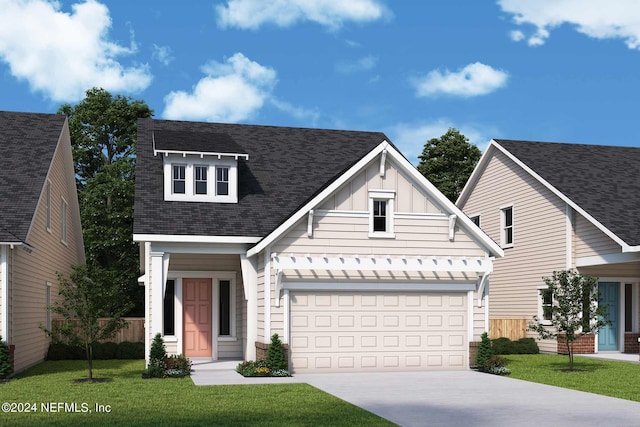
{"points": [[275, 354], [157, 359], [5, 366], [575, 310]]}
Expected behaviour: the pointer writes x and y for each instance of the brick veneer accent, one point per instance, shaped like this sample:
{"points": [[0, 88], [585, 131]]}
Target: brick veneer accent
{"points": [[473, 350], [585, 344], [261, 351], [631, 342]]}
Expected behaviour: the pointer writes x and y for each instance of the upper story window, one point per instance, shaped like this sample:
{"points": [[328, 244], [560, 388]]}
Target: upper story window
{"points": [[506, 227], [64, 207], [179, 179], [222, 181], [475, 220], [381, 207], [201, 179]]}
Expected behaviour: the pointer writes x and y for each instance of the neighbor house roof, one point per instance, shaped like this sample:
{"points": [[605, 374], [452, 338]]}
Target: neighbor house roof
{"points": [[602, 180], [286, 167], [27, 144]]}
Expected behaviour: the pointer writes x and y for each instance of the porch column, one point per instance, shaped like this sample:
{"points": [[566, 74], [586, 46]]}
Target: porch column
{"points": [[157, 285], [250, 280]]}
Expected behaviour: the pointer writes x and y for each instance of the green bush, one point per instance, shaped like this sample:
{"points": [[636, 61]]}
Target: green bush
{"points": [[485, 351], [130, 350], [5, 366], [61, 351], [275, 355], [522, 346], [104, 351], [178, 366], [259, 368], [157, 358]]}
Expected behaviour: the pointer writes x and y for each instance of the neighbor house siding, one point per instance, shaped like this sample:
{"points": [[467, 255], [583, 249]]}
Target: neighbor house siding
{"points": [[32, 271], [590, 241], [540, 225]]}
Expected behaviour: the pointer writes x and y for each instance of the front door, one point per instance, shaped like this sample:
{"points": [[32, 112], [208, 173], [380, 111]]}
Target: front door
{"points": [[196, 299], [608, 335]]}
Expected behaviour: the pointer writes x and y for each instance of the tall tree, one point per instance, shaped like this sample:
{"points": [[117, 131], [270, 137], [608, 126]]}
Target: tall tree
{"points": [[448, 162], [103, 131], [575, 310]]}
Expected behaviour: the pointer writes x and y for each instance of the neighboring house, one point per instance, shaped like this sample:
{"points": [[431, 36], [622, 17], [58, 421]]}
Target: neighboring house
{"points": [[40, 233], [561, 206], [331, 239]]}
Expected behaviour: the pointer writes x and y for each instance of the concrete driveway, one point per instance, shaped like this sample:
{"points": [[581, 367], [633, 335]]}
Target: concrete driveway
{"points": [[468, 398]]}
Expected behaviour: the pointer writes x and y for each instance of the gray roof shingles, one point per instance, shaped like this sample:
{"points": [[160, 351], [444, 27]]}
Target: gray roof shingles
{"points": [[286, 168], [602, 180], [27, 144]]}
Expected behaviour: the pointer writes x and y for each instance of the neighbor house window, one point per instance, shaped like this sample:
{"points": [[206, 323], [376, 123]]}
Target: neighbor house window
{"points": [[47, 197], [63, 221], [381, 213], [225, 307], [179, 179], [546, 305], [222, 181], [506, 215], [48, 305], [169, 308], [475, 220], [201, 179]]}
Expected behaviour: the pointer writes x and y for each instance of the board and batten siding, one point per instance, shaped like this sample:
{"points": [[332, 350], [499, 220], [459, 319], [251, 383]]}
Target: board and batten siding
{"points": [[31, 273], [539, 230]]}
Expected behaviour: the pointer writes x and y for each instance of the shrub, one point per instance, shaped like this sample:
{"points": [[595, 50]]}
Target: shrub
{"points": [[61, 351], [130, 350], [522, 346], [485, 351], [275, 354], [5, 366], [104, 351], [259, 368], [157, 359], [178, 366], [496, 365]]}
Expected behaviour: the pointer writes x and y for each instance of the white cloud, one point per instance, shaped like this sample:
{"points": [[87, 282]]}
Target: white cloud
{"points": [[362, 64], [594, 18], [251, 14], [162, 54], [516, 35], [64, 54], [301, 113], [473, 80], [411, 137], [231, 91]]}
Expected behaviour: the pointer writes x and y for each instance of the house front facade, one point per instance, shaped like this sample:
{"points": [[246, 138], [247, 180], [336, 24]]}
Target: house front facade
{"points": [[331, 239], [553, 207], [40, 233]]}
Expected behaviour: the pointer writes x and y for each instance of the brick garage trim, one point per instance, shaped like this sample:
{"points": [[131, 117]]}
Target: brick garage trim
{"points": [[585, 344], [631, 342], [473, 350]]}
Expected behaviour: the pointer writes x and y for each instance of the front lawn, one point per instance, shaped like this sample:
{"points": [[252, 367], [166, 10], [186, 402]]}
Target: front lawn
{"points": [[609, 378], [133, 401]]}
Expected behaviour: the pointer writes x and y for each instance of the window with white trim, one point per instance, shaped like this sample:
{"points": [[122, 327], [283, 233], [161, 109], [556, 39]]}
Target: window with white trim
{"points": [[169, 309], [545, 305], [226, 308], [64, 208], [195, 179], [381, 214], [47, 198], [506, 227], [475, 220]]}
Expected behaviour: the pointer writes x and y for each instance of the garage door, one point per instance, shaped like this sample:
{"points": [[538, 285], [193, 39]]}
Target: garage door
{"points": [[368, 331]]}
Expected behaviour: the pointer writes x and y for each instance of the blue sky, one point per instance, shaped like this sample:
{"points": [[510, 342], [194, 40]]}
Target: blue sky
{"points": [[550, 70]]}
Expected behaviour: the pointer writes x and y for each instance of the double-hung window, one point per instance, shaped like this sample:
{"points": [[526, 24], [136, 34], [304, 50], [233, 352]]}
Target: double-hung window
{"points": [[545, 305], [179, 179], [222, 181], [200, 179], [381, 213], [506, 228]]}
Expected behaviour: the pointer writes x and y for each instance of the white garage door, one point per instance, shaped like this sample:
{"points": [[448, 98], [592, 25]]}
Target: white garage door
{"points": [[368, 331]]}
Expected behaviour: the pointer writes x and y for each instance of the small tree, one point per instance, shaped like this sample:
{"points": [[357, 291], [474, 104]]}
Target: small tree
{"points": [[157, 358], [485, 351], [82, 304], [275, 354], [575, 310], [5, 366]]}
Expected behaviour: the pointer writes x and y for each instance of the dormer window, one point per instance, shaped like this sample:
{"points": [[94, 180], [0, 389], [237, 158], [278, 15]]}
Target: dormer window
{"points": [[199, 166], [381, 213]]}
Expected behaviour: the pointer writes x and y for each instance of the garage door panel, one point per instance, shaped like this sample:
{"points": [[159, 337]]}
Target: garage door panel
{"points": [[370, 331]]}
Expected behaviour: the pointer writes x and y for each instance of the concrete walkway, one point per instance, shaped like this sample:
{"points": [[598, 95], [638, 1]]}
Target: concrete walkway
{"points": [[452, 398]]}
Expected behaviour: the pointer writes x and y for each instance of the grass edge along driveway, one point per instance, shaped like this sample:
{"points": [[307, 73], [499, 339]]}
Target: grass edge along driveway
{"points": [[130, 400], [606, 377]]}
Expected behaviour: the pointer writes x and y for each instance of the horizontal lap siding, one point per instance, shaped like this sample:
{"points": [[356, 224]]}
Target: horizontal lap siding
{"points": [[625, 269], [539, 235], [590, 241], [32, 271]]}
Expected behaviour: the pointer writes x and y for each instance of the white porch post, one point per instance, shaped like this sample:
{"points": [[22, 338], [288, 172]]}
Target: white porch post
{"points": [[250, 280], [157, 285]]}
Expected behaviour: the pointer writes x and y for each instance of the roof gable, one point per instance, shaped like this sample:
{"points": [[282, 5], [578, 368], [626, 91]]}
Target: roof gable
{"points": [[600, 182], [28, 142], [286, 168]]}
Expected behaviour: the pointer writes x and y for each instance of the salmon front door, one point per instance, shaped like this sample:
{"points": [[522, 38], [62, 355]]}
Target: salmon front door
{"points": [[196, 298]]}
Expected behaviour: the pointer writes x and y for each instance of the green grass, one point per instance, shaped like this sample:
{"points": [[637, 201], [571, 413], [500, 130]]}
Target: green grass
{"points": [[609, 378], [159, 402]]}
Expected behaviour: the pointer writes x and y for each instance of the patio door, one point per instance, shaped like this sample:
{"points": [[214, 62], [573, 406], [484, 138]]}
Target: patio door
{"points": [[196, 299], [608, 335]]}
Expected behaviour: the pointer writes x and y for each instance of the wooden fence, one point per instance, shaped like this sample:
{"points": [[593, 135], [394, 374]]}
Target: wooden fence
{"points": [[134, 332], [513, 329]]}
